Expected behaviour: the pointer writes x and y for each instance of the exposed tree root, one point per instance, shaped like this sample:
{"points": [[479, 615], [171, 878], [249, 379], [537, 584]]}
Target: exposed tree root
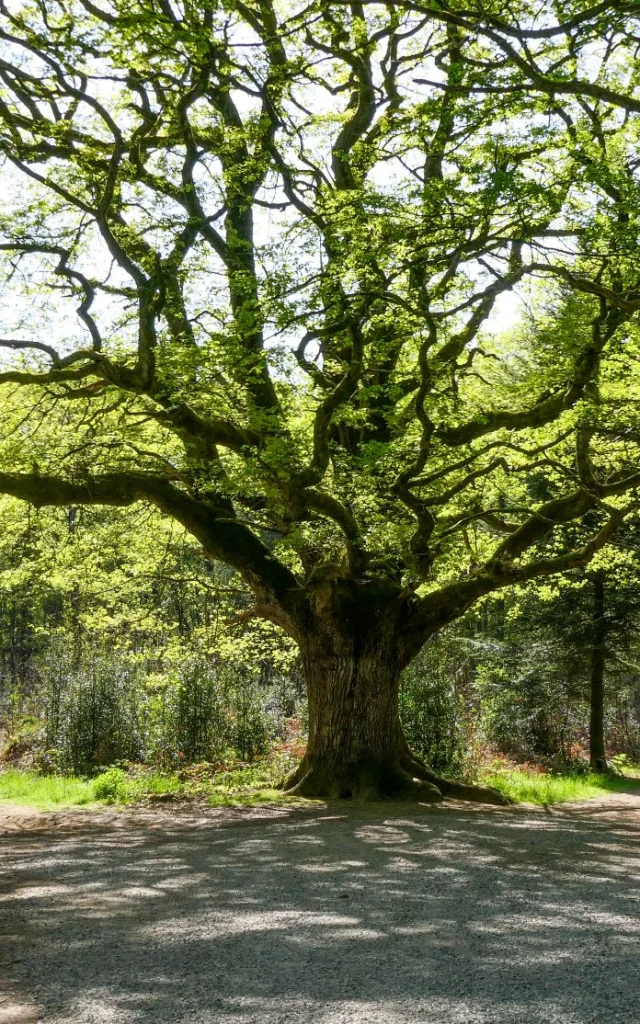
{"points": [[360, 781], [294, 778], [408, 778], [448, 787]]}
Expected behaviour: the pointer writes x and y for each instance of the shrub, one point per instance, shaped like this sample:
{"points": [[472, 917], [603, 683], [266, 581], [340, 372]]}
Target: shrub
{"points": [[112, 709], [432, 711], [25, 740], [111, 785]]}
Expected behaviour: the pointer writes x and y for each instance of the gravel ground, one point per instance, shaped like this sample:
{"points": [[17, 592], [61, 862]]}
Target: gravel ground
{"points": [[452, 915]]}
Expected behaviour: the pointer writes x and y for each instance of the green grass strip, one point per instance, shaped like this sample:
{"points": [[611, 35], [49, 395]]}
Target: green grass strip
{"points": [[235, 789], [45, 792], [548, 789]]}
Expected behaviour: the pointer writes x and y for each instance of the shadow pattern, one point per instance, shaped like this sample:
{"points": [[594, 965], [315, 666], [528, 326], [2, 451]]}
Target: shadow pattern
{"points": [[364, 918]]}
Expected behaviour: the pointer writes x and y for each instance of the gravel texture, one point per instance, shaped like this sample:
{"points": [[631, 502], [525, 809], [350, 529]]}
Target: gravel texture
{"points": [[452, 915]]}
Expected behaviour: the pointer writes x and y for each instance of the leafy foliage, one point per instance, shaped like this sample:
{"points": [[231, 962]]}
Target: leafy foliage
{"points": [[285, 232], [257, 260], [434, 707]]}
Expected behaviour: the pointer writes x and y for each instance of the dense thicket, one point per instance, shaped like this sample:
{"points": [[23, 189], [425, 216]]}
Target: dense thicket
{"points": [[111, 651]]}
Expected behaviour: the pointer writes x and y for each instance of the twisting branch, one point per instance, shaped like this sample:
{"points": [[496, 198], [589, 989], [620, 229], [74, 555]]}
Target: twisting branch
{"points": [[298, 177], [214, 525]]}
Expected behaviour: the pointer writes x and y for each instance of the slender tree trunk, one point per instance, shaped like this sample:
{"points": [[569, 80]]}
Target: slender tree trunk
{"points": [[597, 754]]}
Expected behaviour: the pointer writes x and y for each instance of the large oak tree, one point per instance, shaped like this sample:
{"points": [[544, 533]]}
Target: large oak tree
{"points": [[288, 230]]}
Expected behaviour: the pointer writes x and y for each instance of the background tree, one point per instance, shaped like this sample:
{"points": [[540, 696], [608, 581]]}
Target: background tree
{"points": [[597, 751], [284, 231], [528, 659], [114, 645]]}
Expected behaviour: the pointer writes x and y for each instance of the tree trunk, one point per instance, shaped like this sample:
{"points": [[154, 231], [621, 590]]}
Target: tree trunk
{"points": [[356, 746], [597, 755], [355, 742]]}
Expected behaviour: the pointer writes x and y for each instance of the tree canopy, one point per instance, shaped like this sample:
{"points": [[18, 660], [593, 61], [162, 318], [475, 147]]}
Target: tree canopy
{"points": [[257, 260]]}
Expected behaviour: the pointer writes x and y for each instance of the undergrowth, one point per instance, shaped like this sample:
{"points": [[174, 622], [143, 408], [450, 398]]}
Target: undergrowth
{"points": [[251, 784], [544, 789], [239, 785], [46, 792]]}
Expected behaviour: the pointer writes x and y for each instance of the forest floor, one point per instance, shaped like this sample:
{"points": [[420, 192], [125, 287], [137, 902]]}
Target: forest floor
{"points": [[453, 914]]}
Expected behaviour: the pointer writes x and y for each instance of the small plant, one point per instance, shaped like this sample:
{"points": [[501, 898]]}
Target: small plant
{"points": [[620, 763], [111, 786], [24, 740]]}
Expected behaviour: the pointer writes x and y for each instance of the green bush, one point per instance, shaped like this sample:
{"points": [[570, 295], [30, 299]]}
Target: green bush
{"points": [[102, 722], [112, 709], [432, 711], [111, 786]]}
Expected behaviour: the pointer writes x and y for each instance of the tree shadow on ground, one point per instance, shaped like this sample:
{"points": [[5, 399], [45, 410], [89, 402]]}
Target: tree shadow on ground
{"points": [[454, 916]]}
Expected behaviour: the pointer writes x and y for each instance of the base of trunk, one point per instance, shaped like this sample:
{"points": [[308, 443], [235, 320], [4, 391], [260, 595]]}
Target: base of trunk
{"points": [[453, 789], [357, 749], [406, 779], [362, 780]]}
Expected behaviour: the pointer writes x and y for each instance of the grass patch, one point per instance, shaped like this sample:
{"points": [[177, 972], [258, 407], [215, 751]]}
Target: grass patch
{"points": [[45, 792], [244, 785], [240, 785], [547, 789], [117, 786]]}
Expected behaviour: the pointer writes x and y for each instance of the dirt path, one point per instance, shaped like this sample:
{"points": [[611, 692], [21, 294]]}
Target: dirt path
{"points": [[451, 915]]}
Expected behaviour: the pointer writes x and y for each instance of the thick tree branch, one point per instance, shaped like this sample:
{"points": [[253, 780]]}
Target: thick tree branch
{"points": [[213, 525]]}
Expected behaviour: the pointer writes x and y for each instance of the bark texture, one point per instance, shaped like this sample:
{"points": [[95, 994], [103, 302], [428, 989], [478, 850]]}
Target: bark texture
{"points": [[353, 660], [355, 744]]}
